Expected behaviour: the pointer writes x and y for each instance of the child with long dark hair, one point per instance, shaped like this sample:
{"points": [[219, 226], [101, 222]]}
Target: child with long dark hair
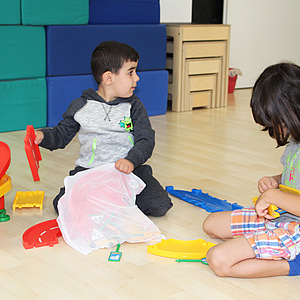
{"points": [[256, 244]]}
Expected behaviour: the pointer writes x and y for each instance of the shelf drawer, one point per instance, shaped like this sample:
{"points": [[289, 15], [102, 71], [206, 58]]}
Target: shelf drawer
{"points": [[202, 83], [205, 32], [204, 49], [203, 66], [200, 99]]}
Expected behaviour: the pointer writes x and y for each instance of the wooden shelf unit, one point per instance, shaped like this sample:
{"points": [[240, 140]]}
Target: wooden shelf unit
{"points": [[198, 63]]}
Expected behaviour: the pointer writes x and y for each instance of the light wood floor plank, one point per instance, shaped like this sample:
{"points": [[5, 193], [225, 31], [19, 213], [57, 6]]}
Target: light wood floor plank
{"points": [[219, 151]]}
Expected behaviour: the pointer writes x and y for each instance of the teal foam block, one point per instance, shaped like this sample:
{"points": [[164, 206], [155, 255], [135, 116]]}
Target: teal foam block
{"points": [[22, 52], [22, 103], [10, 12], [55, 12]]}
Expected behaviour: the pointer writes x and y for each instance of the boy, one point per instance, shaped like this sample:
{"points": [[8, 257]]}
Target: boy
{"points": [[113, 125]]}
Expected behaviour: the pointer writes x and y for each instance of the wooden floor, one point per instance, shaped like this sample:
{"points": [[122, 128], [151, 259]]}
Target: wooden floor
{"points": [[220, 151]]}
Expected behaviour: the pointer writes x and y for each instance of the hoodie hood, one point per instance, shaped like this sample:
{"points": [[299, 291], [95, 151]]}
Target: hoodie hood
{"points": [[92, 94]]}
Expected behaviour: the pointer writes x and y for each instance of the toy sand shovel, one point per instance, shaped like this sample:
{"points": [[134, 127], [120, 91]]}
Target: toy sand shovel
{"points": [[115, 255]]}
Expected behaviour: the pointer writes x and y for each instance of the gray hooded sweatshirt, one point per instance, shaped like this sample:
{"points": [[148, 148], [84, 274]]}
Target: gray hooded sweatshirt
{"points": [[107, 131]]}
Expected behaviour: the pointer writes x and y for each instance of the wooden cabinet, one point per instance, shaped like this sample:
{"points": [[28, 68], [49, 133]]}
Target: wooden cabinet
{"points": [[198, 62]]}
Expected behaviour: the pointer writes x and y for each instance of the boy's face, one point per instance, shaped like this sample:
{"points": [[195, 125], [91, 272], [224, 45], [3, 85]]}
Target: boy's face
{"points": [[126, 80]]}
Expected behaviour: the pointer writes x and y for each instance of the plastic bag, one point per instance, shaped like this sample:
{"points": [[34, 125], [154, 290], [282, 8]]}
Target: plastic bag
{"points": [[98, 210], [233, 72]]}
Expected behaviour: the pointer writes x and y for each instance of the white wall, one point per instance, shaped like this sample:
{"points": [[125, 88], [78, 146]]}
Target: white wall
{"points": [[175, 11], [263, 32]]}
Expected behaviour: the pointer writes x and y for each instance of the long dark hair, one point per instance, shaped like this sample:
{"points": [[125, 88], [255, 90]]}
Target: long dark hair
{"points": [[275, 102]]}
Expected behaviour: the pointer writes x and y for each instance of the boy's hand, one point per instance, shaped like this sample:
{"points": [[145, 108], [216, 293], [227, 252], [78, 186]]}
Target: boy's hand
{"points": [[267, 183], [124, 165], [39, 136]]}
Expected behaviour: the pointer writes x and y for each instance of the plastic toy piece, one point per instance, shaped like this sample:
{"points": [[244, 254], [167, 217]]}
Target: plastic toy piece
{"points": [[5, 186], [33, 152], [5, 180], [202, 260], [115, 255], [42, 234], [289, 190], [29, 199], [273, 210], [205, 201], [4, 158], [195, 249]]}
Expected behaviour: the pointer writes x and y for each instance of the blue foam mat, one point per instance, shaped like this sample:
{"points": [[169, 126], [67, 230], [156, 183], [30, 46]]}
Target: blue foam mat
{"points": [[69, 48], [152, 89], [124, 12], [203, 200]]}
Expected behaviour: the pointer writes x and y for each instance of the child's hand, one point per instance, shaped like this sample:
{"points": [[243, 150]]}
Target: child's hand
{"points": [[267, 183], [124, 165], [263, 202], [39, 136]]}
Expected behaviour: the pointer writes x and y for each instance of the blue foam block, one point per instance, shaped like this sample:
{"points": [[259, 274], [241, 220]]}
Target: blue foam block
{"points": [[124, 12], [55, 12], [203, 200], [152, 89], [69, 48], [62, 91]]}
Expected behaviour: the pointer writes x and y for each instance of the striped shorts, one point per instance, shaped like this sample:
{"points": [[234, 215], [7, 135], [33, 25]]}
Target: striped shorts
{"points": [[269, 240]]}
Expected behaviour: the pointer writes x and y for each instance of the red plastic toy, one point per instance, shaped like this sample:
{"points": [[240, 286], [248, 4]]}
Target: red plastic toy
{"points": [[42, 234], [4, 158], [33, 152], [5, 180]]}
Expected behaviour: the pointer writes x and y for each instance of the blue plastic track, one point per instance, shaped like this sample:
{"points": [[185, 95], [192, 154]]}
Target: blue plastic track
{"points": [[203, 200]]}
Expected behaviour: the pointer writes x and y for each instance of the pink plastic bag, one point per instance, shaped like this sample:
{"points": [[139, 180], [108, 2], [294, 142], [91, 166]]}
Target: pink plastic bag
{"points": [[98, 210]]}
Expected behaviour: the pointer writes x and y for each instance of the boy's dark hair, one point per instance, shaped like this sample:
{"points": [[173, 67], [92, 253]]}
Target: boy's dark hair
{"points": [[275, 102], [110, 56]]}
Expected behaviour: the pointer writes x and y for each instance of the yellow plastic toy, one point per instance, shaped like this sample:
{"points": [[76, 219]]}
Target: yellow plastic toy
{"points": [[5, 186], [194, 249], [272, 208], [289, 190], [29, 199]]}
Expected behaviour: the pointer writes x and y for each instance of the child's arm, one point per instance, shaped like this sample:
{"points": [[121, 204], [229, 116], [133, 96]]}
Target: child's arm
{"points": [[144, 135], [59, 136], [286, 201], [124, 165], [269, 182]]}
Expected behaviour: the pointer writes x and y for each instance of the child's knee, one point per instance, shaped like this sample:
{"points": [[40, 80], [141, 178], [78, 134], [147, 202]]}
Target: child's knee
{"points": [[217, 262], [208, 226]]}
